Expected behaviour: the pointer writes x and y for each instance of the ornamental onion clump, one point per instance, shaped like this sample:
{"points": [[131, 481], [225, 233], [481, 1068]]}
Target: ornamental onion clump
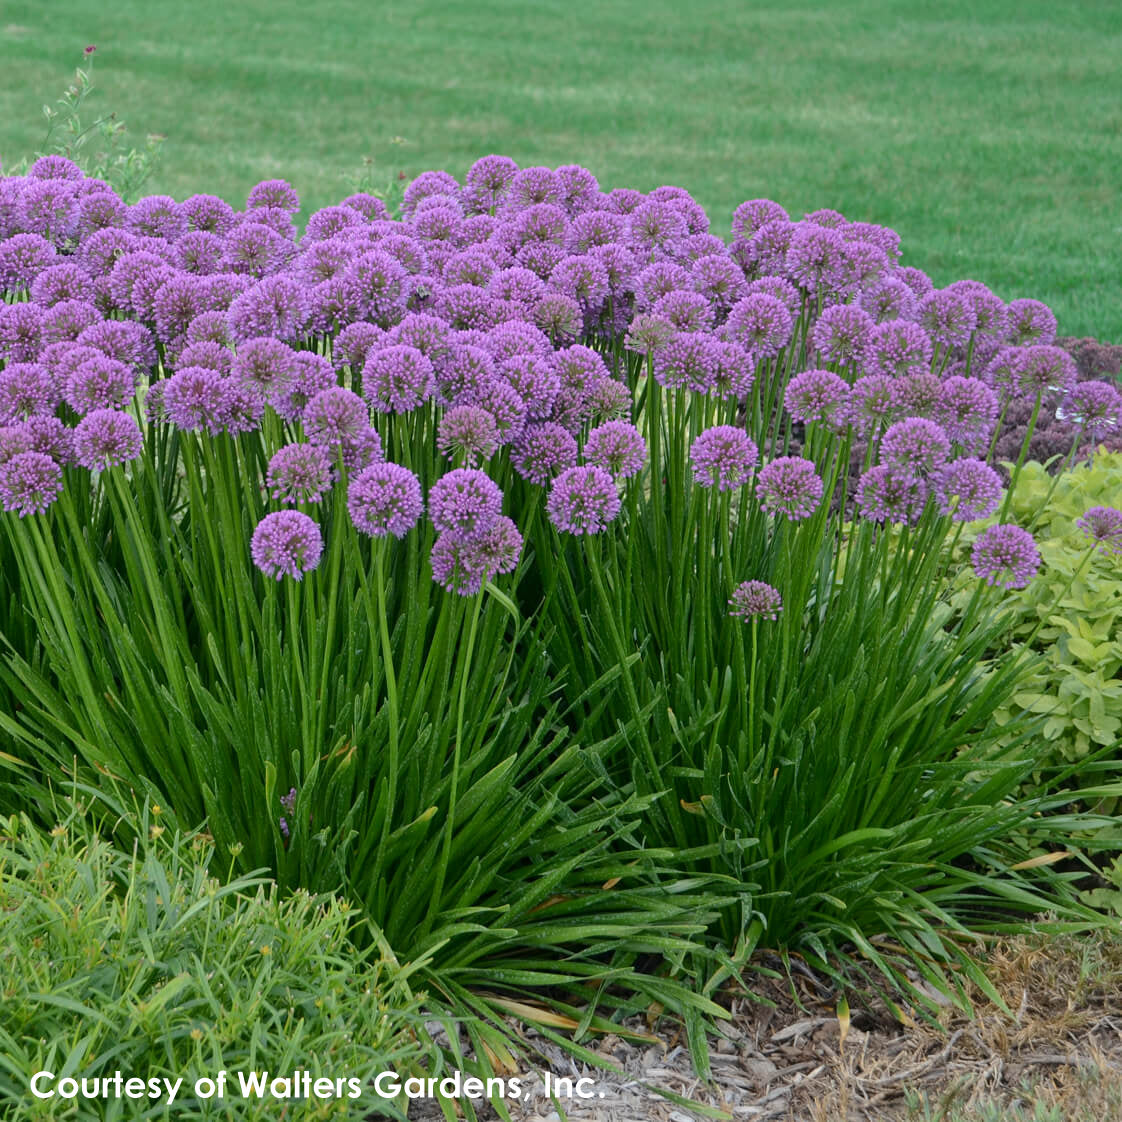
{"points": [[571, 571]]}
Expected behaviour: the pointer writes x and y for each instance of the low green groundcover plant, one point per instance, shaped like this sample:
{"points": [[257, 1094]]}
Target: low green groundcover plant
{"points": [[572, 589], [146, 962]]}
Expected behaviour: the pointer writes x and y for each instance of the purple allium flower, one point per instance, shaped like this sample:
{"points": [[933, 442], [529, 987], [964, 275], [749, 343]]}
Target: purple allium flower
{"points": [[842, 333], [397, 379], [541, 451], [274, 193], [1006, 556], [299, 473], [816, 258], [1096, 407], [989, 309], [256, 250], [825, 216], [919, 395], [335, 415], [311, 374], [199, 253], [606, 400], [369, 206], [815, 396], [967, 410], [266, 365], [29, 483], [105, 437], [917, 280], [242, 405], [474, 265], [1001, 372], [1103, 525], [38, 434], [891, 494], [648, 334], [516, 338], [542, 222], [890, 299], [352, 344], [385, 499], [687, 311], [579, 367], [915, 445], [376, 281], [1030, 321], [56, 167], [751, 215], [176, 303], [463, 566], [761, 324], [50, 207], [579, 188], [655, 226], [583, 500], [581, 278], [21, 332], [719, 280], [128, 269], [194, 399], [1042, 369], [62, 282], [689, 360], [504, 403], [276, 306], [208, 213], [697, 247], [657, 280], [210, 327], [559, 316], [518, 286], [967, 489], [212, 355], [463, 372], [723, 457], [872, 399], [779, 287], [789, 486], [487, 182], [464, 502], [540, 258], [26, 389], [864, 265], [897, 347], [535, 380], [22, 258], [100, 383], [467, 433], [66, 320], [623, 200], [755, 599], [428, 334], [222, 289], [735, 370], [427, 184], [157, 216], [618, 447], [596, 228], [948, 316], [286, 543], [467, 306]]}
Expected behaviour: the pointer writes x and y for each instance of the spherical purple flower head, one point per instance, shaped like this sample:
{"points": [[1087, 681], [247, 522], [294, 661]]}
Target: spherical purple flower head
{"points": [[331, 305], [312, 373], [648, 334], [256, 250], [428, 334], [286, 543], [816, 396], [582, 279], [26, 389], [583, 500], [100, 383], [540, 258], [177, 302], [816, 258], [967, 410], [299, 473], [467, 433], [864, 266], [275, 306], [62, 359], [407, 251], [657, 280], [21, 332], [622, 269], [212, 356], [607, 400], [439, 227], [157, 216], [29, 483], [427, 184], [723, 457], [517, 285], [915, 445], [464, 502], [535, 380], [421, 292], [66, 320], [334, 416], [397, 379], [124, 340], [463, 372], [487, 182], [22, 258], [888, 300], [106, 437], [948, 317], [329, 221], [1103, 526], [595, 228], [698, 247], [199, 253], [463, 566], [580, 190], [62, 282], [1030, 321], [474, 265], [274, 193], [128, 271], [779, 287], [1001, 372], [789, 486], [210, 327], [842, 333], [194, 399], [541, 451], [222, 289], [55, 167], [541, 223], [967, 489], [919, 395], [504, 403], [897, 347], [208, 213], [754, 599], [890, 494], [917, 280], [689, 360], [654, 227], [468, 307], [278, 220], [1096, 407], [531, 187], [687, 311], [559, 317], [761, 324], [1006, 556], [751, 215], [825, 216], [377, 280], [989, 309], [872, 400], [884, 238], [266, 365], [352, 344], [142, 302], [618, 447], [1043, 369], [719, 280], [623, 200], [49, 207], [320, 261], [38, 434], [385, 499], [369, 206]]}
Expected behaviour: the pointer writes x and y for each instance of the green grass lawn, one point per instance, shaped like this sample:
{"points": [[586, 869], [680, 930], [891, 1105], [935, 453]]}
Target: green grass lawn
{"points": [[988, 133]]}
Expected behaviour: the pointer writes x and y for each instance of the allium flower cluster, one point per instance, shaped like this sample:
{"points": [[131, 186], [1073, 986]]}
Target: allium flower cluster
{"points": [[891, 494], [583, 500], [385, 499], [464, 502], [915, 445], [464, 565], [789, 487], [299, 473], [1006, 556], [618, 447], [755, 599], [286, 543], [723, 457], [1103, 526], [29, 483], [967, 489], [106, 437]]}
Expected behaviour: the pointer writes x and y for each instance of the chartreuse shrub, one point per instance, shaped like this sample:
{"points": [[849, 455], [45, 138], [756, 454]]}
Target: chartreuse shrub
{"points": [[154, 963]]}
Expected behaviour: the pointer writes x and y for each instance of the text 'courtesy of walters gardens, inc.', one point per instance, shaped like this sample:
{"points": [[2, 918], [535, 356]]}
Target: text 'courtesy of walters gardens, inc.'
{"points": [[299, 1085]]}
